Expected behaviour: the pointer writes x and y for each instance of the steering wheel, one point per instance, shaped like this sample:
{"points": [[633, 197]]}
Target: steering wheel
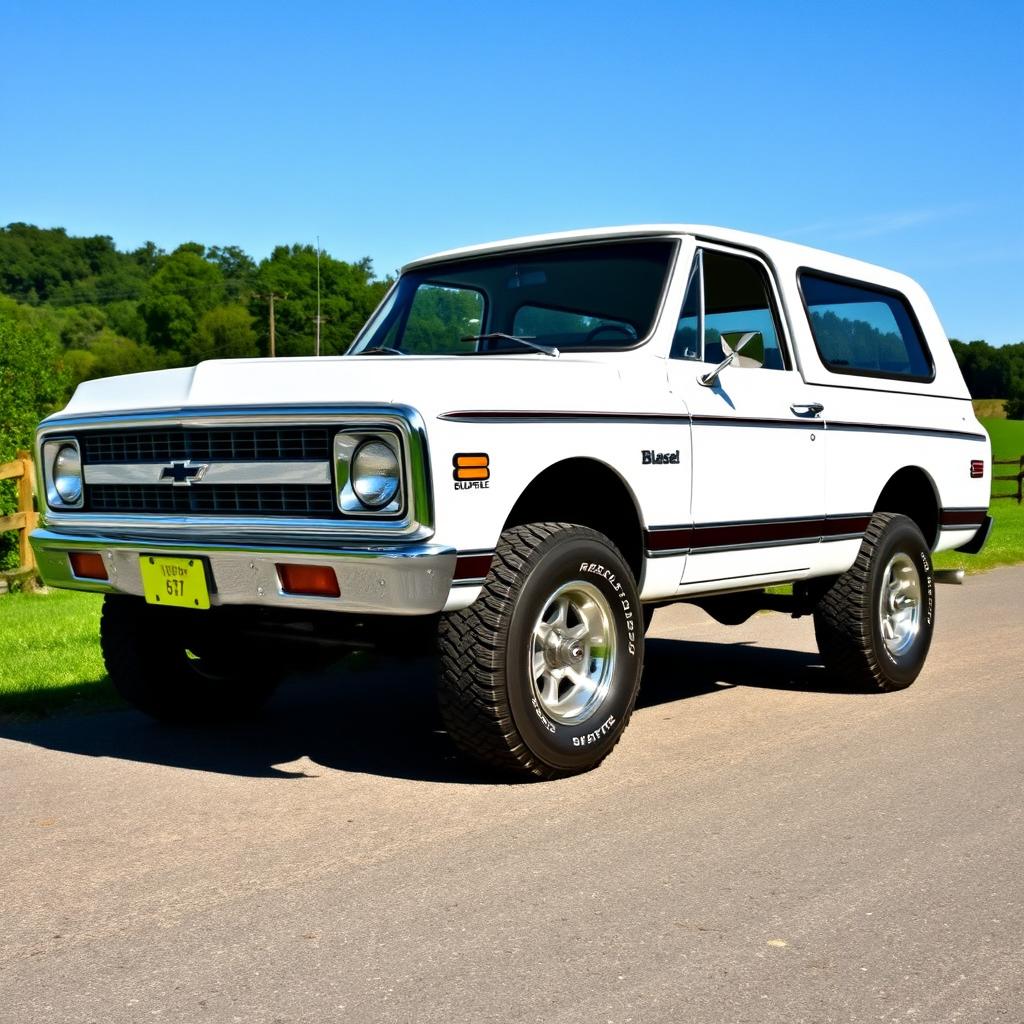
{"points": [[617, 328]]}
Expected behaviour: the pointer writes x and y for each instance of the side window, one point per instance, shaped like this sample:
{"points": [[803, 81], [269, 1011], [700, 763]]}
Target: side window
{"points": [[736, 298], [863, 330], [439, 317]]}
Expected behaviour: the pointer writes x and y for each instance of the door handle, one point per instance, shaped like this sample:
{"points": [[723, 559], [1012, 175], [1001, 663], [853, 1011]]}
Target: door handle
{"points": [[808, 408]]}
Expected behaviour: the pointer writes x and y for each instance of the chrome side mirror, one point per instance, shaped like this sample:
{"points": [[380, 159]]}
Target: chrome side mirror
{"points": [[744, 348]]}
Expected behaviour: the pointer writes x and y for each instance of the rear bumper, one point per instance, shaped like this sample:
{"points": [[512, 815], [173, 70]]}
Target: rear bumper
{"points": [[390, 579]]}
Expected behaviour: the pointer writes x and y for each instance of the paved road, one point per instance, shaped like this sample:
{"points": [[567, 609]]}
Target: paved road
{"points": [[760, 848]]}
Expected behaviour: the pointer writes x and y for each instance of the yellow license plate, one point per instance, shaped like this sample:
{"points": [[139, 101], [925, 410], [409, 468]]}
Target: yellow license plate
{"points": [[177, 582]]}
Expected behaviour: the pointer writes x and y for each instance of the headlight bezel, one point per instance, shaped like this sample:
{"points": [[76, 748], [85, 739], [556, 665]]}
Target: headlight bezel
{"points": [[347, 444], [53, 448]]}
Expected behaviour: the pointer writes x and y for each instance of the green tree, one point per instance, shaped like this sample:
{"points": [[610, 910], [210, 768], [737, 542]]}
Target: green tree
{"points": [[115, 355], [32, 384], [184, 288], [170, 321], [237, 268], [79, 324], [348, 295], [225, 332], [125, 319], [188, 275], [47, 265], [1015, 405]]}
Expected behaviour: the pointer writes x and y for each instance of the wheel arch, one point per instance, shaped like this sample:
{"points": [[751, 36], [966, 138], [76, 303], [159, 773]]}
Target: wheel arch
{"points": [[911, 492], [616, 514]]}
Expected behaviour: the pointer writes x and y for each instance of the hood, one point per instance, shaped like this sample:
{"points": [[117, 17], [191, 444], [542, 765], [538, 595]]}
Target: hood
{"points": [[430, 384]]}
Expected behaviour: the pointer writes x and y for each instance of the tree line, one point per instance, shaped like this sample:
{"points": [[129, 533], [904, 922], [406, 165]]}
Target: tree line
{"points": [[992, 372]]}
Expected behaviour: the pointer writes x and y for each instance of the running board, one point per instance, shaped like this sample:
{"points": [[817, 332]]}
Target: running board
{"points": [[954, 576]]}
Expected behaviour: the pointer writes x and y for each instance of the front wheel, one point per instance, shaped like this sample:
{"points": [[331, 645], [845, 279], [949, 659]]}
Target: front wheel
{"points": [[539, 676], [874, 624], [179, 665]]}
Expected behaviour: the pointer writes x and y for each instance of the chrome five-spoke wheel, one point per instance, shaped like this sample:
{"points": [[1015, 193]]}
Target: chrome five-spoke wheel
{"points": [[899, 604], [573, 653]]}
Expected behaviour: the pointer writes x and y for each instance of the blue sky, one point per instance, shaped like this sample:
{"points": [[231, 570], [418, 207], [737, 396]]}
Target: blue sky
{"points": [[893, 132]]}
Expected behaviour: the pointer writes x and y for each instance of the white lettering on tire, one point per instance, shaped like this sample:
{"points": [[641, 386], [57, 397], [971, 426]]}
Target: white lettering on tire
{"points": [[592, 737], [595, 569]]}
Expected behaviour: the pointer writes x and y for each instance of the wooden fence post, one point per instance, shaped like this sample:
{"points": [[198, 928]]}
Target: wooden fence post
{"points": [[26, 519], [26, 490]]}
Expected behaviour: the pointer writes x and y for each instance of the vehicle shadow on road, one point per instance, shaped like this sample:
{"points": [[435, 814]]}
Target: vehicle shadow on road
{"points": [[676, 669], [383, 720]]}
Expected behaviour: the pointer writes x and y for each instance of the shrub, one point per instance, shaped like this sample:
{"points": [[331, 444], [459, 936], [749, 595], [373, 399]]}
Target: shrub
{"points": [[32, 384]]}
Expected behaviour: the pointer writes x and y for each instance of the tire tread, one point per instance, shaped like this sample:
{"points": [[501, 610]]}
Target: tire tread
{"points": [[471, 696]]}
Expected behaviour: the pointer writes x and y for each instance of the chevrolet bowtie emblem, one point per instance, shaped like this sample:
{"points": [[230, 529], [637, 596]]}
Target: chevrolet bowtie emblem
{"points": [[184, 474]]}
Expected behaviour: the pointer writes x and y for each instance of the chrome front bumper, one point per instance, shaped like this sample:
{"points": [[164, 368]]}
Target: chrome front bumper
{"points": [[391, 579]]}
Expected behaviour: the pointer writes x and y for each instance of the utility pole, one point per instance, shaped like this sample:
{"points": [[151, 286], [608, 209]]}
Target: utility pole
{"points": [[269, 298], [318, 317], [318, 320]]}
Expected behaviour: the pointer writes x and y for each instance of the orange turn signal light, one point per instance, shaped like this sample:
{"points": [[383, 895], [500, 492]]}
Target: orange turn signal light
{"points": [[88, 565], [471, 466], [308, 580]]}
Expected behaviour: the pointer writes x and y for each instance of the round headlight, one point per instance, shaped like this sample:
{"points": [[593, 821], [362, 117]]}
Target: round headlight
{"points": [[67, 475], [375, 474]]}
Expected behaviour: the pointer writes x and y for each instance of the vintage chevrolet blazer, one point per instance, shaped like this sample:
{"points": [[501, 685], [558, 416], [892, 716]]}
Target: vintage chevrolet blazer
{"points": [[530, 446]]}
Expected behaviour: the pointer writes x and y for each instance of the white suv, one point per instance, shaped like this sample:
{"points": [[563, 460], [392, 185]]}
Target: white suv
{"points": [[530, 446]]}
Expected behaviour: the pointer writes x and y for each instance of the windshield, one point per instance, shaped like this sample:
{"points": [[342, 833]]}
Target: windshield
{"points": [[598, 296]]}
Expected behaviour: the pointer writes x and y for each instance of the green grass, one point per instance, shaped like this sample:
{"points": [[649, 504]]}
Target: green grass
{"points": [[1007, 437], [49, 654]]}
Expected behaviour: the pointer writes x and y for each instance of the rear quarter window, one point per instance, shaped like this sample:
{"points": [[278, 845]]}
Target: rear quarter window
{"points": [[862, 329]]}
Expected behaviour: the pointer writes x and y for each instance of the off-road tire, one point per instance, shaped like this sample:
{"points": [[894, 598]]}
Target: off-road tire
{"points": [[486, 690], [847, 621], [177, 666]]}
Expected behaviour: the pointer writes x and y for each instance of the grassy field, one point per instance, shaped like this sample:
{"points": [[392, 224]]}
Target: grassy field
{"points": [[1007, 437], [49, 655]]}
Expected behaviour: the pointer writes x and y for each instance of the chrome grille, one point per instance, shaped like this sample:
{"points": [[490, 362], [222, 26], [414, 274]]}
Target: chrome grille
{"points": [[109, 453], [214, 499], [237, 444]]}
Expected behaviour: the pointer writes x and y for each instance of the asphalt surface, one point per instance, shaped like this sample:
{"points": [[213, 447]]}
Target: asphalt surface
{"points": [[759, 848]]}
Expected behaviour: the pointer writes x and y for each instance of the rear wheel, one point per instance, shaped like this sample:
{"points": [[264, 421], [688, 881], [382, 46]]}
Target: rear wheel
{"points": [[539, 676], [874, 624], [177, 665]]}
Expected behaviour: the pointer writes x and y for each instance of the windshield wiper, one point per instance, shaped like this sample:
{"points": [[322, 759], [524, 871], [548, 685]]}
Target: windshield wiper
{"points": [[527, 340], [383, 350]]}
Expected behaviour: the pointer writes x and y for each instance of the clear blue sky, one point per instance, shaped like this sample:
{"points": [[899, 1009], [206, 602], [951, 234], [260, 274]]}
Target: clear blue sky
{"points": [[893, 132]]}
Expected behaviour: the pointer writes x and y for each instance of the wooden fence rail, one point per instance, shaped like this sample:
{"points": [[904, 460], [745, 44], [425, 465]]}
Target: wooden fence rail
{"points": [[1017, 477], [26, 518]]}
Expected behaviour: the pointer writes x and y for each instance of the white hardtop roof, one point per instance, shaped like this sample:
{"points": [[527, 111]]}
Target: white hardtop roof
{"points": [[794, 253]]}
